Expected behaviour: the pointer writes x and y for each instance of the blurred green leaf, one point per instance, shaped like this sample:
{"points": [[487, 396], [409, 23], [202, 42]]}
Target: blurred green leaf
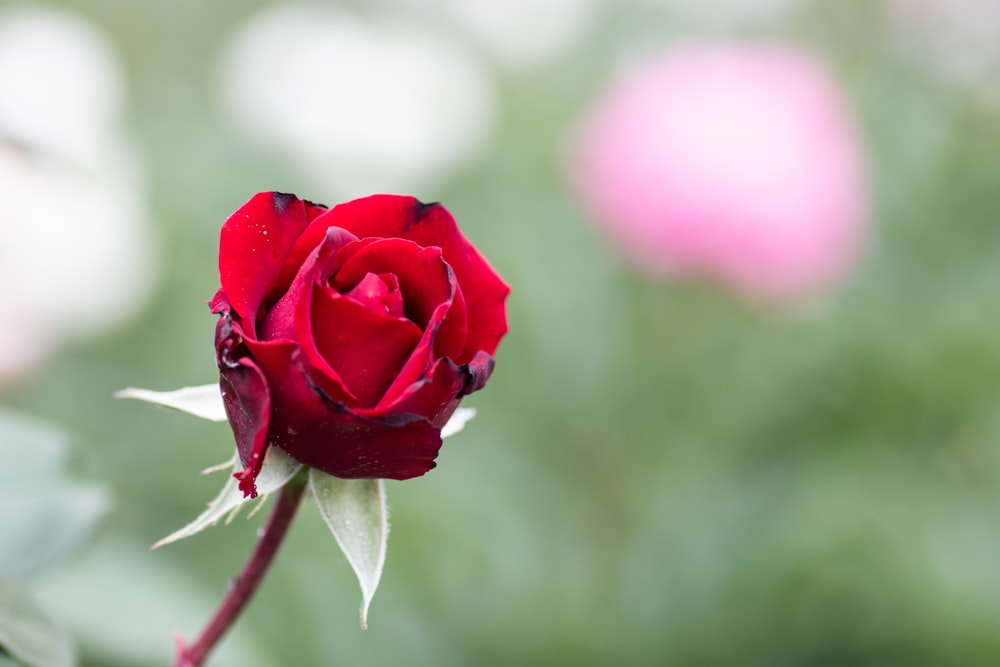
{"points": [[28, 635], [356, 513], [123, 604], [45, 511]]}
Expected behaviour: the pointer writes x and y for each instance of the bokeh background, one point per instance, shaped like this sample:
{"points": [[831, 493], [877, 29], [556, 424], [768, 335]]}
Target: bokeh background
{"points": [[666, 468]]}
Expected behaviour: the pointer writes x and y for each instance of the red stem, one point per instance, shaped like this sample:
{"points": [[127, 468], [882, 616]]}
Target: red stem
{"points": [[245, 585]]}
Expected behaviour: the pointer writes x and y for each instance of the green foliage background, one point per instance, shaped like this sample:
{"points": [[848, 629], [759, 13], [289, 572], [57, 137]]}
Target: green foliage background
{"points": [[659, 474]]}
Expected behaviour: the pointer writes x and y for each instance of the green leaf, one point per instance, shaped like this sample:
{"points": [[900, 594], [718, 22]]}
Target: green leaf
{"points": [[46, 513], [204, 401], [356, 513], [27, 634], [277, 470]]}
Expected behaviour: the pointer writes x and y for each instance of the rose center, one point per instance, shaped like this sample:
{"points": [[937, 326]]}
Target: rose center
{"points": [[379, 293]]}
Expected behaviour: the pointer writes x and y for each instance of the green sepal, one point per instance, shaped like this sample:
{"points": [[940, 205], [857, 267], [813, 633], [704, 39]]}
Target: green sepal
{"points": [[278, 470], [203, 401], [356, 513]]}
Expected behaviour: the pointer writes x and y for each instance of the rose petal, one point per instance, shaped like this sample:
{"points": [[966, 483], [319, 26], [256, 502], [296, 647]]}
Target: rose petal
{"points": [[311, 238], [423, 276], [379, 294], [440, 390], [253, 246], [360, 448], [290, 319], [428, 286], [282, 319], [323, 433], [478, 371], [487, 314], [435, 393], [420, 362], [247, 398], [440, 342], [365, 348], [431, 225], [453, 334]]}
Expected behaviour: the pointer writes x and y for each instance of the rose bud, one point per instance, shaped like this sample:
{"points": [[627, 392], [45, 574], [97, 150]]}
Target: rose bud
{"points": [[348, 336]]}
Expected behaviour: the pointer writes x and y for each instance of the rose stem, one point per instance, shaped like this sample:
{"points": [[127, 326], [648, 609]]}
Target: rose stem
{"points": [[245, 584]]}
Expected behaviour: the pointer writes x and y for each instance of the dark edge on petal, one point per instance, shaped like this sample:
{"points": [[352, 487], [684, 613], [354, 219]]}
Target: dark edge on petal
{"points": [[478, 372], [242, 421], [281, 201], [316, 204], [418, 212], [390, 421]]}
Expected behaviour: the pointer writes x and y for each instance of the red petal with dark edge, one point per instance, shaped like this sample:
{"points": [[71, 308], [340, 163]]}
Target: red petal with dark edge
{"points": [[439, 391], [485, 291], [247, 399], [436, 394], [429, 225], [253, 245]]}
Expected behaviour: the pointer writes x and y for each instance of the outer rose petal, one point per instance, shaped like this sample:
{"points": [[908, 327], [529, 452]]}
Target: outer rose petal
{"points": [[247, 398], [360, 448], [253, 246], [479, 371], [432, 225]]}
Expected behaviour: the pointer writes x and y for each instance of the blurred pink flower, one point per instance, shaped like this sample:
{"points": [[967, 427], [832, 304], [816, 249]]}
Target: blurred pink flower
{"points": [[736, 163]]}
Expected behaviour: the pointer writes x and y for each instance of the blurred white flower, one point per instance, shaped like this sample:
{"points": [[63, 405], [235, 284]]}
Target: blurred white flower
{"points": [[519, 33], [60, 82], [727, 12], [76, 255], [371, 105], [734, 162]]}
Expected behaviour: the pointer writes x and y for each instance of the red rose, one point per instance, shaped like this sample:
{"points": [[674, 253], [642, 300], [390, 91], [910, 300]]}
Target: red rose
{"points": [[348, 336]]}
